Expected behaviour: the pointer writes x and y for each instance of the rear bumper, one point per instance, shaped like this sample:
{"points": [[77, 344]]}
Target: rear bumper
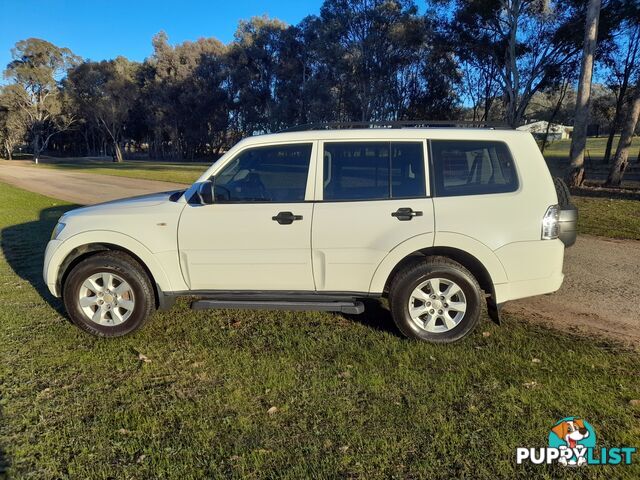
{"points": [[568, 225], [533, 268]]}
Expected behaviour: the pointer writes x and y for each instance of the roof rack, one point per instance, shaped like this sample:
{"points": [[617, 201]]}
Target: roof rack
{"points": [[398, 124]]}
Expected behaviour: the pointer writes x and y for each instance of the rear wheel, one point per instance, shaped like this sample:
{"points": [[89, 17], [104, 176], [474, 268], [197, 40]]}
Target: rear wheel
{"points": [[437, 300], [108, 295]]}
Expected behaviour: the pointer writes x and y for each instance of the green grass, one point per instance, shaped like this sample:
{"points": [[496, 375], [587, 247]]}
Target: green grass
{"points": [[558, 152], [167, 172], [353, 398], [608, 217]]}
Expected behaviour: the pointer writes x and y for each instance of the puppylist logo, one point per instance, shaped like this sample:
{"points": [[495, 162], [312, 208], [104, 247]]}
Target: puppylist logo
{"points": [[572, 442]]}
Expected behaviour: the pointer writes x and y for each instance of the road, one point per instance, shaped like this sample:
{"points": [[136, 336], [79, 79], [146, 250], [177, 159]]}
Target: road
{"points": [[599, 297], [77, 187]]}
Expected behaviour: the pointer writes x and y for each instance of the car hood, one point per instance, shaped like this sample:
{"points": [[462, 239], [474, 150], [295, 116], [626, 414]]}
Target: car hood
{"points": [[114, 206]]}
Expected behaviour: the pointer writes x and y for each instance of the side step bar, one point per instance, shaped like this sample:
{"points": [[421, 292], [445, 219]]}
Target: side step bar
{"points": [[353, 307]]}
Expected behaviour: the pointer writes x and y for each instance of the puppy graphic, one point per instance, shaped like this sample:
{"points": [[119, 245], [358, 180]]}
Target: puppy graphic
{"points": [[572, 432]]}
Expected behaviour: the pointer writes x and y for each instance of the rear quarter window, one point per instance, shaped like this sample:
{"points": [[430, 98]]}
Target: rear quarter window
{"points": [[470, 167]]}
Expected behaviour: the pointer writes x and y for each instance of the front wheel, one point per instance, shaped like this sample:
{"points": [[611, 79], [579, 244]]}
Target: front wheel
{"points": [[108, 295], [437, 300]]}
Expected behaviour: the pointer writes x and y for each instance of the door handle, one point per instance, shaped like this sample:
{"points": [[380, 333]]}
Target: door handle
{"points": [[286, 218], [404, 214]]}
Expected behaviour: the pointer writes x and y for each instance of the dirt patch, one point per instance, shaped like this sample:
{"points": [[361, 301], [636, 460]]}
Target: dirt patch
{"points": [[76, 187], [600, 295]]}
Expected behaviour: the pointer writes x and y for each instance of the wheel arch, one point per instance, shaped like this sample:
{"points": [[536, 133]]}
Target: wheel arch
{"points": [[471, 263], [83, 252], [79, 248]]}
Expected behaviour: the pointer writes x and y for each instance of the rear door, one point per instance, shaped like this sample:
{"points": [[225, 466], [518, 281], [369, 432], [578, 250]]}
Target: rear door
{"points": [[371, 196]]}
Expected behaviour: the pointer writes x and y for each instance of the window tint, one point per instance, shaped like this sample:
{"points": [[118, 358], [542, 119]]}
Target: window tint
{"points": [[265, 174], [472, 168], [373, 170]]}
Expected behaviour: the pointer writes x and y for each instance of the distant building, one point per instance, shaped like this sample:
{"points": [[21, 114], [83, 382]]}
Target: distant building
{"points": [[556, 131]]}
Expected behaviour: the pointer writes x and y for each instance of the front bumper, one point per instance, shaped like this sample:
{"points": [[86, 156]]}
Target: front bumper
{"points": [[49, 269]]}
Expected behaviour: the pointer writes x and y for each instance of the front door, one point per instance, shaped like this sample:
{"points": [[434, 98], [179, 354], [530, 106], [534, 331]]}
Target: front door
{"points": [[257, 233], [374, 197]]}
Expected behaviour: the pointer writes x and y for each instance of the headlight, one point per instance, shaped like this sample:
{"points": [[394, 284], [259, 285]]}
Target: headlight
{"points": [[550, 223], [57, 230]]}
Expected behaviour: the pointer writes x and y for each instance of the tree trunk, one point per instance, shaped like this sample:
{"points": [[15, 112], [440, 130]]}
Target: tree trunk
{"points": [[36, 147], [117, 152], [612, 133], [9, 147], [617, 117], [621, 159], [554, 114], [579, 140]]}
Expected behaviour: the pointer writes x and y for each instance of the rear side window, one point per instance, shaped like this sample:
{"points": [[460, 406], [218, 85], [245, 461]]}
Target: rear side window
{"points": [[373, 170], [472, 168]]}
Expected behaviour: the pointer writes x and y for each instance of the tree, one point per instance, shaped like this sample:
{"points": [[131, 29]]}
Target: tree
{"points": [[526, 42], [36, 66], [621, 158], [253, 60], [579, 139], [621, 64], [185, 97], [12, 125], [105, 92]]}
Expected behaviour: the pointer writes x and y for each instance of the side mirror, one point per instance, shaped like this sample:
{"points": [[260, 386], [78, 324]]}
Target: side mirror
{"points": [[205, 193]]}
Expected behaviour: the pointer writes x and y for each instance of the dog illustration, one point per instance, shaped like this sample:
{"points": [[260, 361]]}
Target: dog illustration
{"points": [[572, 432]]}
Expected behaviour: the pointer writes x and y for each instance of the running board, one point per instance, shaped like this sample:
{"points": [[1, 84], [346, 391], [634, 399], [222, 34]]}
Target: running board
{"points": [[353, 307]]}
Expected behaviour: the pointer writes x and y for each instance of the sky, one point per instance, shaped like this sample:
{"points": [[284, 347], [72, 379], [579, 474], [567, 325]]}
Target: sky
{"points": [[101, 29]]}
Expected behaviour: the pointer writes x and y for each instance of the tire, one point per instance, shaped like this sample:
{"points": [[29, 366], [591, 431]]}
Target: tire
{"points": [[124, 306], [432, 327], [563, 192]]}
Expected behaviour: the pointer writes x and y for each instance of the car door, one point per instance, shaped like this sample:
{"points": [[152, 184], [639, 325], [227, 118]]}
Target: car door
{"points": [[257, 233], [372, 196]]}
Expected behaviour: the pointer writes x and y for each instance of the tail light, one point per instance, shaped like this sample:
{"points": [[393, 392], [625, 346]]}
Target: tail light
{"points": [[550, 223]]}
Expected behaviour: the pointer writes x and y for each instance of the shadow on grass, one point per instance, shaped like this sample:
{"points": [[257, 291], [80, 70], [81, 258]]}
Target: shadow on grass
{"points": [[597, 191], [23, 246], [376, 316]]}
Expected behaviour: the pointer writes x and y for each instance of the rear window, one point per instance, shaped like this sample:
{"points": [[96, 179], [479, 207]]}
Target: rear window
{"points": [[464, 167], [373, 170]]}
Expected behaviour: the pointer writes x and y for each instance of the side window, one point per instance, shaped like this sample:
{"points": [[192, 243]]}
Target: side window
{"points": [[373, 170], [276, 174], [464, 167]]}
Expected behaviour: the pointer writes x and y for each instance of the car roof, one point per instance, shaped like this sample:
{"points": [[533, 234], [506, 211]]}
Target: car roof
{"points": [[387, 134]]}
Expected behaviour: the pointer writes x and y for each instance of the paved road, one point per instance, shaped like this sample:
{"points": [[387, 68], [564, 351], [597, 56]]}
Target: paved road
{"points": [[77, 187], [600, 295]]}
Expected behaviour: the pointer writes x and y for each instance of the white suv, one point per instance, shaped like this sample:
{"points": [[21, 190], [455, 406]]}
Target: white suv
{"points": [[435, 219]]}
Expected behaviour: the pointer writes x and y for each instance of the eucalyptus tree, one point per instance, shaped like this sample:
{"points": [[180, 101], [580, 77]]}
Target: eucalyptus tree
{"points": [[254, 58], [12, 124], [583, 100], [621, 65], [377, 59], [621, 158], [184, 96], [103, 93], [34, 72], [525, 42]]}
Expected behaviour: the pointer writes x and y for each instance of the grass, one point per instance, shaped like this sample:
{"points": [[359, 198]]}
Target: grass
{"points": [[607, 217], [167, 172], [353, 399], [557, 153]]}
